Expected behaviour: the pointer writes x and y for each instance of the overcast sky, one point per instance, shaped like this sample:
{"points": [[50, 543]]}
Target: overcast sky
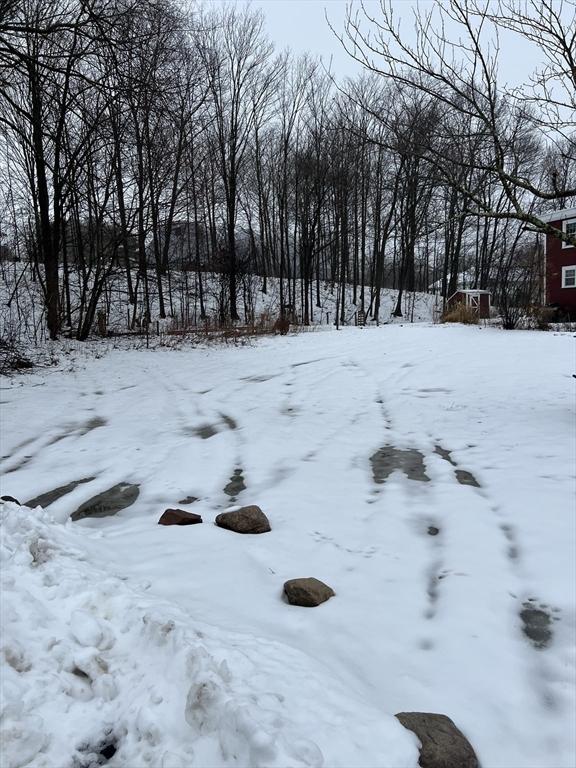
{"points": [[301, 25]]}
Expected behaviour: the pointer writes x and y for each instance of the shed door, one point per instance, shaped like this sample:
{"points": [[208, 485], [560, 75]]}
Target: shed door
{"points": [[474, 300]]}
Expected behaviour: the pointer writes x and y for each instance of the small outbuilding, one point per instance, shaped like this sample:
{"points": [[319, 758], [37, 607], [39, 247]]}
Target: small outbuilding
{"points": [[474, 299]]}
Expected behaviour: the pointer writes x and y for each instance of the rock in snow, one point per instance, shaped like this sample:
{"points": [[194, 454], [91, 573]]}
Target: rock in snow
{"points": [[307, 592], [249, 519], [443, 745], [179, 517]]}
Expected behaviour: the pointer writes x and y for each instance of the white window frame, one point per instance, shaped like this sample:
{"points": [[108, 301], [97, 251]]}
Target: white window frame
{"points": [[564, 271], [564, 229]]}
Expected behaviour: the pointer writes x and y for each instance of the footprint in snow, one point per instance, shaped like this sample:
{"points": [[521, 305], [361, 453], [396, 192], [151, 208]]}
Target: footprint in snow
{"points": [[463, 476], [537, 621], [236, 484], [229, 421], [389, 459], [432, 589], [189, 500], [510, 534], [204, 431], [466, 478]]}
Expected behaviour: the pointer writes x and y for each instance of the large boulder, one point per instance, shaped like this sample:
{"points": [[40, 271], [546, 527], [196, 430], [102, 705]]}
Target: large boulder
{"points": [[249, 519], [307, 592], [443, 745], [179, 517]]}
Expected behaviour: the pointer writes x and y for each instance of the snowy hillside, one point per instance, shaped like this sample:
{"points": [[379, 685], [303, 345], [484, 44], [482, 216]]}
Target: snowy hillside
{"points": [[182, 302], [425, 473]]}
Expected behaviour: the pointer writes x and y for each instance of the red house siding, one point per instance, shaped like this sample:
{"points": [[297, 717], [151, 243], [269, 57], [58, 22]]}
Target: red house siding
{"points": [[556, 258]]}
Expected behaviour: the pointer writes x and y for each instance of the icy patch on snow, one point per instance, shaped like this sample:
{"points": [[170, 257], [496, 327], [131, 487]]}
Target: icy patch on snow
{"points": [[95, 670]]}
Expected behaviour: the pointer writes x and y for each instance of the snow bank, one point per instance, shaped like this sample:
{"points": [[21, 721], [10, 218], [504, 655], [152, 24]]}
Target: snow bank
{"points": [[95, 670]]}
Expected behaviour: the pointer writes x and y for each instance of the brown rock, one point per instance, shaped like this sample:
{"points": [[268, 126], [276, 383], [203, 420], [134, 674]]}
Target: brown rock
{"points": [[249, 519], [179, 517], [442, 744], [307, 592]]}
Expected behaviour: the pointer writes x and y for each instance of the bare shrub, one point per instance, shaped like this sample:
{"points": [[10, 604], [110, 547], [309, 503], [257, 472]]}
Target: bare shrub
{"points": [[282, 326], [265, 322], [11, 359], [541, 317]]}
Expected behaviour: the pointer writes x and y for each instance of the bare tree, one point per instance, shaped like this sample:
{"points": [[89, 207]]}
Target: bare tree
{"points": [[237, 57], [461, 74]]}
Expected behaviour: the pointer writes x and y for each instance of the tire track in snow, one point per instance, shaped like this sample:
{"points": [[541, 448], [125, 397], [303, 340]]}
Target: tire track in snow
{"points": [[532, 618], [437, 571], [209, 420], [434, 573]]}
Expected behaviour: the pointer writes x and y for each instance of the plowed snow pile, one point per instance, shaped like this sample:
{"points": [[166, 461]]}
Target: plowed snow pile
{"points": [[93, 670]]}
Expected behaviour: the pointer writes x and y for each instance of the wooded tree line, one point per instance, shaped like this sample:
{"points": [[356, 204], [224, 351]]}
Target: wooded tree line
{"points": [[160, 142]]}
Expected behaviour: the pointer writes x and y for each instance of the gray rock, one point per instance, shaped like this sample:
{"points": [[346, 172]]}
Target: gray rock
{"points": [[307, 592], [249, 519], [179, 517], [442, 744]]}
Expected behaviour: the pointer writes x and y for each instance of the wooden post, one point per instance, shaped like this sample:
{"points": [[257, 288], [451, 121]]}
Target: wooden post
{"points": [[102, 323]]}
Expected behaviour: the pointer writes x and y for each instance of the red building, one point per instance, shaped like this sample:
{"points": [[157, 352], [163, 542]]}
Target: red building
{"points": [[560, 263]]}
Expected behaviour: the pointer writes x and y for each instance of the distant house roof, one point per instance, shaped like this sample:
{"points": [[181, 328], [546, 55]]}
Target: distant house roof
{"points": [[462, 278], [474, 291], [565, 213], [471, 290]]}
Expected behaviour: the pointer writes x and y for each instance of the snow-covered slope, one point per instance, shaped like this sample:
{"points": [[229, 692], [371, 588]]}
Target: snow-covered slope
{"points": [[21, 306], [426, 473]]}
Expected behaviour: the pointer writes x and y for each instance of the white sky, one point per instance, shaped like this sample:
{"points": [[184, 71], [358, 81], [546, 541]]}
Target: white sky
{"points": [[301, 26]]}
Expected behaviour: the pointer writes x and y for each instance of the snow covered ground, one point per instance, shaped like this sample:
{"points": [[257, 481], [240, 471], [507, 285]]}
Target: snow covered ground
{"points": [[426, 473]]}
